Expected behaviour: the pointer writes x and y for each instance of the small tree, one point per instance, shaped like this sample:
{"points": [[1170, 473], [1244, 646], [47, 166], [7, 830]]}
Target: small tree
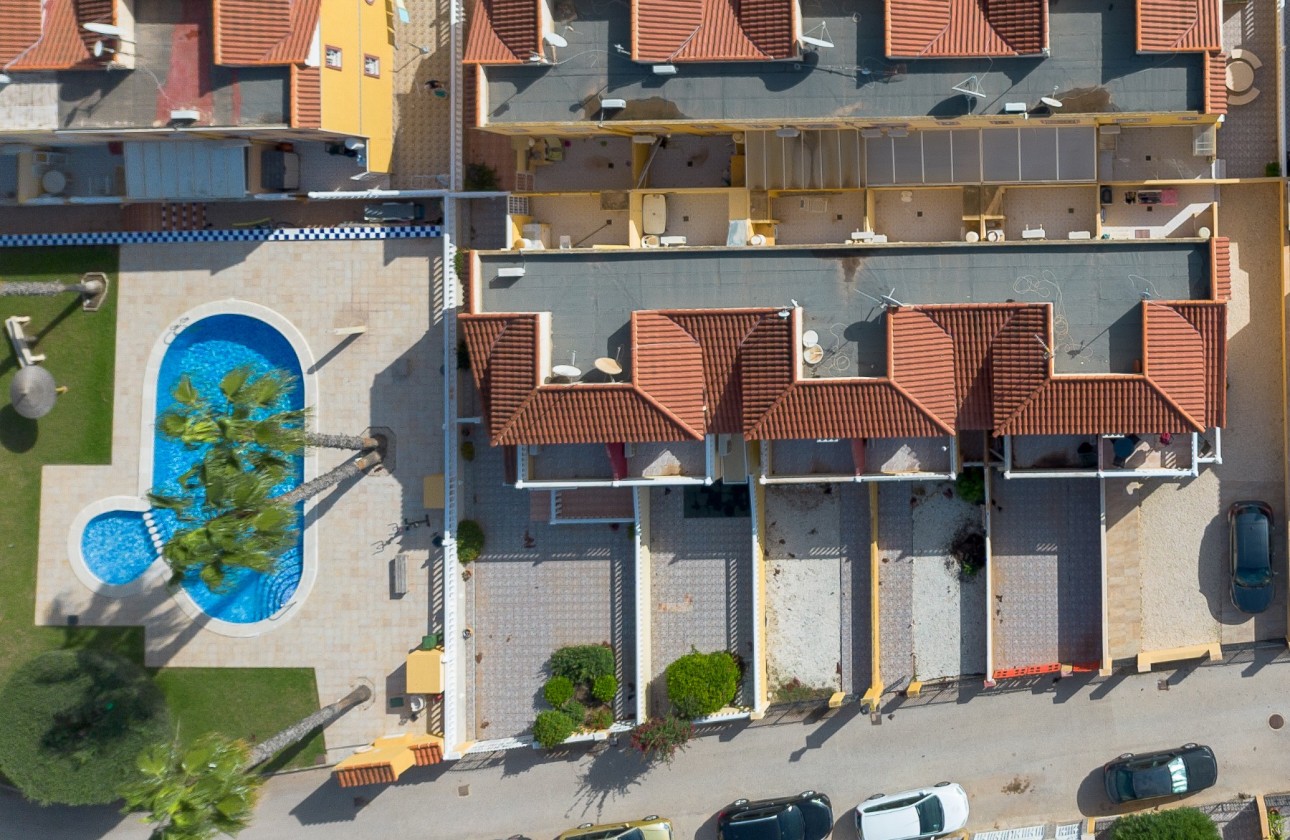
{"points": [[662, 738], [605, 688], [700, 684], [1175, 824], [583, 663], [470, 541], [558, 691], [551, 728], [195, 793]]}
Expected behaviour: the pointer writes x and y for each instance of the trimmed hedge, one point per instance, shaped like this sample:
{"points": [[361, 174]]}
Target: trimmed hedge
{"points": [[582, 663], [700, 684], [558, 691], [470, 541], [551, 728], [1174, 824], [574, 711], [75, 722], [605, 688]]}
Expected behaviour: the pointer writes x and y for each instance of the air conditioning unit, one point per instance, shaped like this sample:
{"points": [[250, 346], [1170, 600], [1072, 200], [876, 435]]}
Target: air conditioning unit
{"points": [[185, 115], [613, 104], [516, 271]]}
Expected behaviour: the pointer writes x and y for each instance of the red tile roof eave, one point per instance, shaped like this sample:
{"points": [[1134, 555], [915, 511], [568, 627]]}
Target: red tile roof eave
{"points": [[486, 46]]}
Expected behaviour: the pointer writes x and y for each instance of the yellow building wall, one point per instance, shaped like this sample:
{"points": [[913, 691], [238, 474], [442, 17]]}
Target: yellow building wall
{"points": [[354, 103]]}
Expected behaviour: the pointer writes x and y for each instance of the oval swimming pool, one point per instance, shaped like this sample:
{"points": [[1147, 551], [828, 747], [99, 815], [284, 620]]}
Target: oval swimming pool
{"points": [[206, 350]]}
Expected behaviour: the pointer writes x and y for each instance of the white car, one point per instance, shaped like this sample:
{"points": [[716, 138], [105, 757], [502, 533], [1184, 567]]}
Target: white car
{"points": [[914, 814]]}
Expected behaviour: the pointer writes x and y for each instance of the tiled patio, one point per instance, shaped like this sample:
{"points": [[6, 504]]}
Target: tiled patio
{"points": [[1046, 563], [538, 587], [701, 587], [348, 628], [1248, 138]]}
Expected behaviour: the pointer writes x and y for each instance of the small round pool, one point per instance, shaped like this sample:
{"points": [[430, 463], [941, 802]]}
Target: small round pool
{"points": [[116, 546]]}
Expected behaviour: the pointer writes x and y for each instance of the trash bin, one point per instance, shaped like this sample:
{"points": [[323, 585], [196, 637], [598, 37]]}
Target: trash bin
{"points": [[430, 641]]}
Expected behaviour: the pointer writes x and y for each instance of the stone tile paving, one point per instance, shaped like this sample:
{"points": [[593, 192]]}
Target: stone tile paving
{"points": [[1046, 563], [347, 627], [538, 587], [422, 121], [701, 586], [857, 629], [1247, 139], [895, 585]]}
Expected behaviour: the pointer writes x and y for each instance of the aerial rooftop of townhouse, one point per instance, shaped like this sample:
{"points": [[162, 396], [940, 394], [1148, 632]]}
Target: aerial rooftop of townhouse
{"points": [[890, 314]]}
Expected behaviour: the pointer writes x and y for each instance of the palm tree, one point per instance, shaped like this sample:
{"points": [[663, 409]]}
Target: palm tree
{"points": [[212, 786], [231, 516], [88, 287]]}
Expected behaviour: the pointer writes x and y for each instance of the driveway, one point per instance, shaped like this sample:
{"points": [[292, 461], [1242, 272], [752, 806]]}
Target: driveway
{"points": [[817, 587], [538, 587], [1047, 565]]}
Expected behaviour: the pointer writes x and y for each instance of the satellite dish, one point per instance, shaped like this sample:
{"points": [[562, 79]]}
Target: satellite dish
{"points": [[4, 80], [567, 371], [1050, 102], [971, 86], [101, 49], [816, 42], [555, 40], [103, 29]]}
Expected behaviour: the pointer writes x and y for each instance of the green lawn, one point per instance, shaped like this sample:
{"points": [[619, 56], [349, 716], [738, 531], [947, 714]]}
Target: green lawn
{"points": [[80, 347]]}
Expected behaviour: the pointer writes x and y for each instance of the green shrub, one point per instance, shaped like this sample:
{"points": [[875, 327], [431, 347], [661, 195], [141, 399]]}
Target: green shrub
{"points": [[470, 541], [558, 691], [1272, 170], [480, 177], [75, 722], [662, 737], [467, 450], [699, 684], [605, 688], [1175, 824], [971, 485], [551, 728], [601, 718], [583, 663], [574, 711]]}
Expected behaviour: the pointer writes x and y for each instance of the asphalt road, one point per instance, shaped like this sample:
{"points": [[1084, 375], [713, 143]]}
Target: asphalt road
{"points": [[1026, 756]]}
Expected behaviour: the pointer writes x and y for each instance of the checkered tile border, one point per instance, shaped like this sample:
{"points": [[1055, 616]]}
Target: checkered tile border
{"points": [[161, 237]]}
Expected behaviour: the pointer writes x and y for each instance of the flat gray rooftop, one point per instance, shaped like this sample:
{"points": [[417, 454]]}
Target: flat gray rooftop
{"points": [[175, 69], [1094, 67], [1096, 290]]}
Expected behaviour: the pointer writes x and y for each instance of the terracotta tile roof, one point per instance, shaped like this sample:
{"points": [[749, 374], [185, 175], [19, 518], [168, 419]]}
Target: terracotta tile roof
{"points": [[427, 754], [264, 32], [1220, 267], [669, 367], [713, 30], [720, 335], [966, 28], [1209, 318], [503, 32], [1215, 83], [47, 34], [306, 97], [1179, 26], [374, 774], [1107, 404], [973, 329]]}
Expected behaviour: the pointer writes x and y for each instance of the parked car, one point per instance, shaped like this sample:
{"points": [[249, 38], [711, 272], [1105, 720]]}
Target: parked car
{"points": [[807, 816], [914, 814], [652, 827], [1250, 555], [1175, 772]]}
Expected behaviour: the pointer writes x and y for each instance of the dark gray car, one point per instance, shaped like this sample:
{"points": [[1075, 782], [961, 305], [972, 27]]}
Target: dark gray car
{"points": [[1175, 772], [1250, 555], [807, 816]]}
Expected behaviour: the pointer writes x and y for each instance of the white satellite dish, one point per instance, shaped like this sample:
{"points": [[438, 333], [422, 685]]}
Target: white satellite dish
{"points": [[103, 29], [555, 40], [566, 371], [101, 49], [1050, 102], [4, 80], [816, 42], [971, 86]]}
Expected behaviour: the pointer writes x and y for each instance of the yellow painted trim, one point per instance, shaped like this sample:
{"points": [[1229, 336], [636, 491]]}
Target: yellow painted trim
{"points": [[759, 499], [1285, 384], [835, 699], [1148, 658], [1265, 831], [915, 689], [874, 694]]}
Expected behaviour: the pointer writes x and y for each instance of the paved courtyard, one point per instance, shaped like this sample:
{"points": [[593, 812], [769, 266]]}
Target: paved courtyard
{"points": [[538, 587], [701, 586], [348, 627], [817, 587], [1046, 561], [933, 623]]}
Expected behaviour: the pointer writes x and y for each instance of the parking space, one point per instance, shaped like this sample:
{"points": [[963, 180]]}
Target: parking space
{"points": [[701, 583], [932, 617], [1046, 567], [538, 587], [818, 632]]}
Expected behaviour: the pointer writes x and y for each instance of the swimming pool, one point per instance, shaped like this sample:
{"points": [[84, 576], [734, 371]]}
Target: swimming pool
{"points": [[119, 539]]}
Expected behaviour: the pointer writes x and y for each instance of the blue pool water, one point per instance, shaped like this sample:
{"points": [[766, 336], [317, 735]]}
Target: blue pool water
{"points": [[116, 545]]}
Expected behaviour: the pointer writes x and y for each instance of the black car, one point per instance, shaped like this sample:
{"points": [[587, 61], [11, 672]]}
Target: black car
{"points": [[807, 816], [1175, 772], [1250, 555]]}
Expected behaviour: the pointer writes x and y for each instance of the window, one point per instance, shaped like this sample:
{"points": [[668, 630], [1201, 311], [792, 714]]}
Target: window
{"points": [[333, 57], [371, 66]]}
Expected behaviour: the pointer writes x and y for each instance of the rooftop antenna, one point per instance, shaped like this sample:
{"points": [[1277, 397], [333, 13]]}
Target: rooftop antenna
{"points": [[621, 50], [889, 301], [555, 41], [821, 41], [1048, 352], [970, 87]]}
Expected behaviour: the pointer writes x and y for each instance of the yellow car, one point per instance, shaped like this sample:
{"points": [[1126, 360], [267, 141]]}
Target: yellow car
{"points": [[650, 828]]}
